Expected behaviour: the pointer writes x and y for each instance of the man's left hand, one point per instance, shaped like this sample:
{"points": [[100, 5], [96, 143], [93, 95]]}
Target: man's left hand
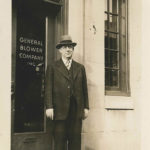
{"points": [[86, 112]]}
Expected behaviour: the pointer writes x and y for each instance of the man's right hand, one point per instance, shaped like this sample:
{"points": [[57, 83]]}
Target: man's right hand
{"points": [[50, 113]]}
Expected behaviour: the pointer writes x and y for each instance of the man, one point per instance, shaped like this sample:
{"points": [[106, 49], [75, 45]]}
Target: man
{"points": [[66, 97]]}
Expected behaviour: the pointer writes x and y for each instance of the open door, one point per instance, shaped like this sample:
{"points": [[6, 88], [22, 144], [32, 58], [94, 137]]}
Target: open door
{"points": [[36, 26]]}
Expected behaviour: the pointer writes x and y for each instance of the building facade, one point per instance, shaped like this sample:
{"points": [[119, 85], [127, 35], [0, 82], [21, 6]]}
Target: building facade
{"points": [[112, 42]]}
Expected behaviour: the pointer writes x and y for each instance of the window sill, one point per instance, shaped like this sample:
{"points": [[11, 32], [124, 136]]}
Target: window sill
{"points": [[117, 93], [119, 103]]}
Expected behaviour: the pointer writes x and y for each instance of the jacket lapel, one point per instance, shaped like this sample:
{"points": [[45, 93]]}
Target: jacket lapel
{"points": [[76, 69], [62, 69]]}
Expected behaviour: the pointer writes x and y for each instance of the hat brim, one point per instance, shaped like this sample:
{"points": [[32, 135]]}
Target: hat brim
{"points": [[58, 46]]}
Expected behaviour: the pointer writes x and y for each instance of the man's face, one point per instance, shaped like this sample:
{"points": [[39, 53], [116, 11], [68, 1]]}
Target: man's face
{"points": [[66, 51]]}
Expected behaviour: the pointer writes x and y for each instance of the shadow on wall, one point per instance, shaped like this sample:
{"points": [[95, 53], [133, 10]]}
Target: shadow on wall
{"points": [[89, 148]]}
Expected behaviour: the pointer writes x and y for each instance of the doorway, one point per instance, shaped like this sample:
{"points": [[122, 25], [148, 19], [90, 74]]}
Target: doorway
{"points": [[36, 26]]}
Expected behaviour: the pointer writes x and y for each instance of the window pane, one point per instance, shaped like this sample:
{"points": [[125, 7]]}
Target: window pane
{"points": [[113, 23], [107, 58], [111, 59], [106, 40], [111, 78], [107, 77], [113, 6], [114, 78], [113, 38], [123, 8], [106, 22], [110, 5], [115, 59]]}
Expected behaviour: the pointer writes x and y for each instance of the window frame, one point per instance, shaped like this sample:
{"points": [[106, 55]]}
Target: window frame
{"points": [[124, 87]]}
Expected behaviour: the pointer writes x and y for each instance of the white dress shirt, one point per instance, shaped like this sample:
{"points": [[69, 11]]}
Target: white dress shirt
{"points": [[67, 63]]}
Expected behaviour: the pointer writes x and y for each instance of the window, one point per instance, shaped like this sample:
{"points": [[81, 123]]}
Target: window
{"points": [[116, 54]]}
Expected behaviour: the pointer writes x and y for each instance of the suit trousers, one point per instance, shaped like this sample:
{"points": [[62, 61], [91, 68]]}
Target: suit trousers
{"points": [[67, 133]]}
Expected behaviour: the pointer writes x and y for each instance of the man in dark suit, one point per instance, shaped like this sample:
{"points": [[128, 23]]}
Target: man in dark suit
{"points": [[66, 97]]}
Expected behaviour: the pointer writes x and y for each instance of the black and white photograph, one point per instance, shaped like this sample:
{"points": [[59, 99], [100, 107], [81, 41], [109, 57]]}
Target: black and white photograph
{"points": [[74, 75]]}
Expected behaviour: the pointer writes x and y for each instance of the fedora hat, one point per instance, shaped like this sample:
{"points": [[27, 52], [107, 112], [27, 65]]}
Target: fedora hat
{"points": [[65, 40]]}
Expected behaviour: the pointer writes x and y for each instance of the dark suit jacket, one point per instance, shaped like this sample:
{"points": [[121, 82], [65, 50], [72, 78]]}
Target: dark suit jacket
{"points": [[57, 93]]}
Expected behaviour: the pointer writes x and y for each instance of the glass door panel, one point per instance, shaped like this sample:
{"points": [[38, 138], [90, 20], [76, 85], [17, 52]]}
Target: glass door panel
{"points": [[30, 68]]}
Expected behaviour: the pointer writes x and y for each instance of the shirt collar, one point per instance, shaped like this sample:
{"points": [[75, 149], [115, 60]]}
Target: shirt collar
{"points": [[65, 60]]}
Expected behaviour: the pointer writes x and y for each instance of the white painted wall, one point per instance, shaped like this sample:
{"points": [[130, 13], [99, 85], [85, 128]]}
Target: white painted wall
{"points": [[76, 26], [107, 129], [5, 55], [145, 80]]}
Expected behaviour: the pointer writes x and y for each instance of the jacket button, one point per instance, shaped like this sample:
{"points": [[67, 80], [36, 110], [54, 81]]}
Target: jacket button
{"points": [[68, 87]]}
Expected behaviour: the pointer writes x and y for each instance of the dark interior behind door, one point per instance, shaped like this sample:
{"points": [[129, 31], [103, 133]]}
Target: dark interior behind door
{"points": [[30, 70]]}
